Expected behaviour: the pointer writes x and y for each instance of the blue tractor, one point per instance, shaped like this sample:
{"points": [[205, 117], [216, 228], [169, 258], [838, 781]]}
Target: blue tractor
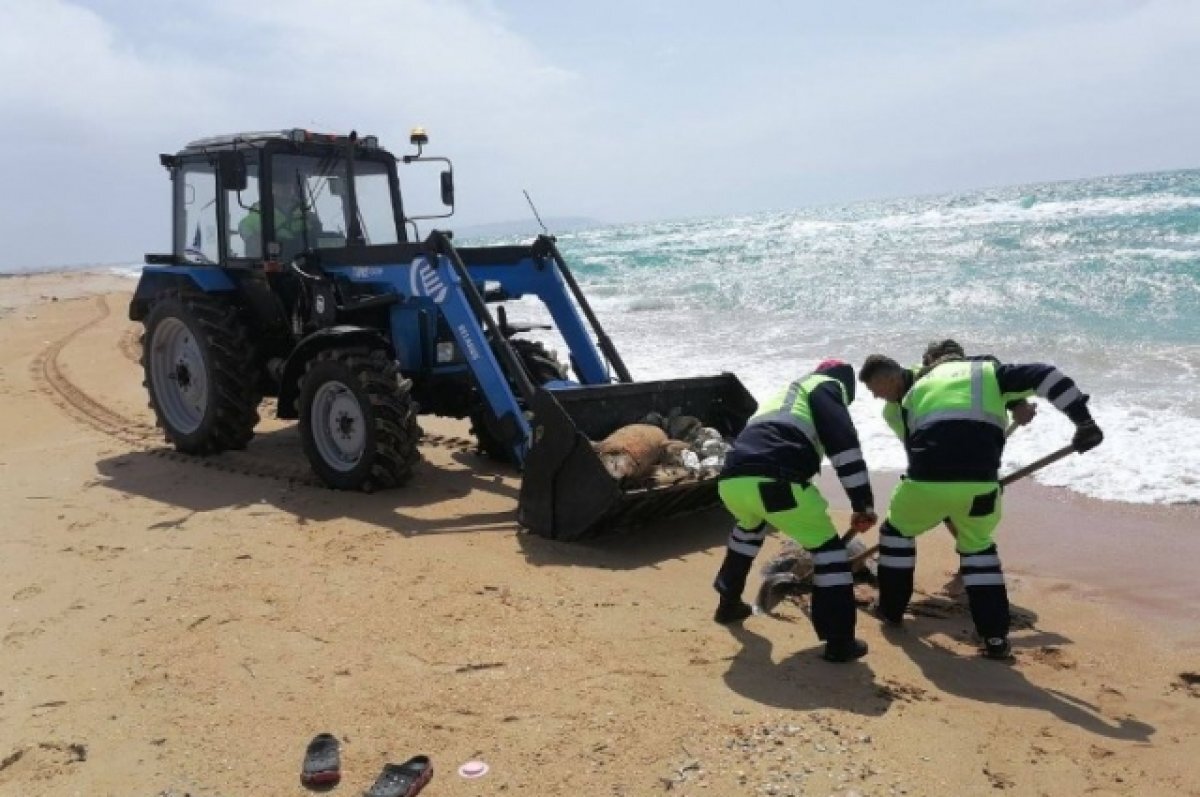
{"points": [[296, 273]]}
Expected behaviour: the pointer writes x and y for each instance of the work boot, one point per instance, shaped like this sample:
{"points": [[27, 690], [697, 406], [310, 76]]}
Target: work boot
{"points": [[732, 610], [877, 612], [997, 648], [843, 650]]}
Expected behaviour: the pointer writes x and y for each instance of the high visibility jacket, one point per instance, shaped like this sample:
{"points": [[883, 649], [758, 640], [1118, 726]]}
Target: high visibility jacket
{"points": [[795, 428], [954, 416], [893, 415], [955, 391], [954, 419], [287, 225], [790, 406]]}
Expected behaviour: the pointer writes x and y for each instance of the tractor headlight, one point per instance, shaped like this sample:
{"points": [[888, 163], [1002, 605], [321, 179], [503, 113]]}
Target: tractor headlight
{"points": [[445, 351]]}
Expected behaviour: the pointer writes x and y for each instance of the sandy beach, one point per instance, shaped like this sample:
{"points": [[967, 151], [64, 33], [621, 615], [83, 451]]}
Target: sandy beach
{"points": [[176, 626]]}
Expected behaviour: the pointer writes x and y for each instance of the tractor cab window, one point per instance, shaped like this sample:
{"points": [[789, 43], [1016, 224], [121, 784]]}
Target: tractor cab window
{"points": [[374, 195], [312, 203], [196, 233], [244, 222]]}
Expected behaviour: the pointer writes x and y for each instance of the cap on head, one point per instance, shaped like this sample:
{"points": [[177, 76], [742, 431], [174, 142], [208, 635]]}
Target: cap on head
{"points": [[841, 371]]}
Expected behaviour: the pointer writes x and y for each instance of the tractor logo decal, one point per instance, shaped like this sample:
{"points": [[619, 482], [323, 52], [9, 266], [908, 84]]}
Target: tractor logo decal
{"points": [[424, 281], [467, 342]]}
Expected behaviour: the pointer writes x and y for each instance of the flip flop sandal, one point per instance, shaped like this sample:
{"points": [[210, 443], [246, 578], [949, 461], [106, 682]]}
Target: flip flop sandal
{"points": [[402, 780], [322, 761]]}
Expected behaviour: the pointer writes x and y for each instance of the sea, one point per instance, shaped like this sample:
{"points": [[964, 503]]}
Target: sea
{"points": [[1100, 277]]}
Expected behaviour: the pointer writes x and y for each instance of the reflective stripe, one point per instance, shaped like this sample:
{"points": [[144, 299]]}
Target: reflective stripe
{"points": [[892, 541], [981, 560], [829, 557], [832, 579], [854, 479], [899, 562], [747, 536], [1067, 397], [786, 416], [1052, 379], [983, 579], [744, 549], [846, 457], [976, 413]]}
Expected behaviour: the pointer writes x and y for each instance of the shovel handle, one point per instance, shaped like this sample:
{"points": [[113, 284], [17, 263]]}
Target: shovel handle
{"points": [[1037, 464]]}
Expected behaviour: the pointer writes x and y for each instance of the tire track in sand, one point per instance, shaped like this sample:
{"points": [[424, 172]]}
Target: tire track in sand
{"points": [[49, 377]]}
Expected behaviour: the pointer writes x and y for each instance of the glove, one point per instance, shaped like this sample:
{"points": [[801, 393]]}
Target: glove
{"points": [[862, 521], [1087, 436], [1022, 412]]}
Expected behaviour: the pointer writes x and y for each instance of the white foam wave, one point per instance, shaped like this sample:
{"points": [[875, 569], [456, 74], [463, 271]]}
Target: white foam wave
{"points": [[132, 272], [1053, 210], [1143, 459]]}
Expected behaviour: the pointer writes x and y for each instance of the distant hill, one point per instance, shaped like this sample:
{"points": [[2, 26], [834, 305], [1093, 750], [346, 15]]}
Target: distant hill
{"points": [[524, 227]]}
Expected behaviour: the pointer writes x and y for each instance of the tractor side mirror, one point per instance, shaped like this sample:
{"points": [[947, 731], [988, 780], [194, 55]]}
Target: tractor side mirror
{"points": [[448, 188], [335, 185], [232, 166]]}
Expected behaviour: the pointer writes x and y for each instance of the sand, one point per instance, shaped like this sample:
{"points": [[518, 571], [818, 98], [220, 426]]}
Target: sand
{"points": [[174, 626]]}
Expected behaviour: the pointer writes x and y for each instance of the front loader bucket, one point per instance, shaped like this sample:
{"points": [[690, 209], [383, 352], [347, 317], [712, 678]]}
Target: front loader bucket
{"points": [[566, 494]]}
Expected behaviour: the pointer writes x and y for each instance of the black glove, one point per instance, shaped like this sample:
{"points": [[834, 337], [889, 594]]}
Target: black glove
{"points": [[1087, 436]]}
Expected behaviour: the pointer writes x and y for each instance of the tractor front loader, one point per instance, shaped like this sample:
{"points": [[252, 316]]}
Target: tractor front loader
{"points": [[295, 273]]}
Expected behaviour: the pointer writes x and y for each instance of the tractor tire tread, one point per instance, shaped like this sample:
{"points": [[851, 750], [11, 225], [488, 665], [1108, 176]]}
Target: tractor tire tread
{"points": [[393, 414], [233, 379]]}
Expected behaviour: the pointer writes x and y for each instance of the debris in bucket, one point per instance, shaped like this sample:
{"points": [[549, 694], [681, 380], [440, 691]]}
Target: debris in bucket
{"points": [[663, 450]]}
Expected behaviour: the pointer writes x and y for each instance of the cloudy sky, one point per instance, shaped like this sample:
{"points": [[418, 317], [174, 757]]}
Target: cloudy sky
{"points": [[619, 110]]}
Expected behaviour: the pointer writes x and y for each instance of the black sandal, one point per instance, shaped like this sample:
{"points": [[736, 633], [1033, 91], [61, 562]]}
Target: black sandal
{"points": [[322, 762], [402, 780]]}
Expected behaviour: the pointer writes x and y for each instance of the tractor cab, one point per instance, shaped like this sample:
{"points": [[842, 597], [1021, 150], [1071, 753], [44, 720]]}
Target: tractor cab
{"points": [[263, 198]]}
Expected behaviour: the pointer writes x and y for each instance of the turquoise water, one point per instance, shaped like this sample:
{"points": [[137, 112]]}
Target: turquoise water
{"points": [[1100, 277]]}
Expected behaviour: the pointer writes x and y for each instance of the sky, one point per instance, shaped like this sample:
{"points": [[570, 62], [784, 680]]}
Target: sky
{"points": [[618, 111]]}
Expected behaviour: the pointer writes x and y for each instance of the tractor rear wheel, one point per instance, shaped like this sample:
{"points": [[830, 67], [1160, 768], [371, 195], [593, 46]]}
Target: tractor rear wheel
{"points": [[358, 422], [199, 370], [543, 367]]}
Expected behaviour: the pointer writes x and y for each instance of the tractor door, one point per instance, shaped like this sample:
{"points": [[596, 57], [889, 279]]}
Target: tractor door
{"points": [[243, 219], [196, 235]]}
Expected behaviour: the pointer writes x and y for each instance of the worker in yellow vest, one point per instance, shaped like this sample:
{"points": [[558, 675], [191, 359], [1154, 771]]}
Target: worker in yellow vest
{"points": [[295, 224], [767, 481], [953, 418]]}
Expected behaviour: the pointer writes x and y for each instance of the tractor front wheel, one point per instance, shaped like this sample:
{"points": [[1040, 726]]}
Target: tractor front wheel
{"points": [[358, 421], [199, 371]]}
